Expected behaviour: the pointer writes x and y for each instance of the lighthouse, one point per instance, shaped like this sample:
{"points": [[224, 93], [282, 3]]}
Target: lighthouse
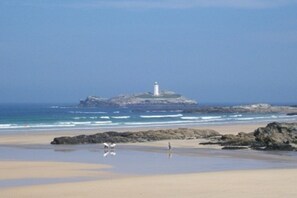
{"points": [[156, 89]]}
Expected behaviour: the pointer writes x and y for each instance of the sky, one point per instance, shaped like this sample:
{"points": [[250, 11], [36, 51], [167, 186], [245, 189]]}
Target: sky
{"points": [[213, 51]]}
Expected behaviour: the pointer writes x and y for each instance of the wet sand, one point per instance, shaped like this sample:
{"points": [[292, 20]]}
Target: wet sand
{"points": [[10, 170], [250, 183]]}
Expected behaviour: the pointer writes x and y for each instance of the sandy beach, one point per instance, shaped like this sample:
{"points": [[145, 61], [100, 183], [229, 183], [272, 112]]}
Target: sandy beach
{"points": [[78, 179], [259, 183]]}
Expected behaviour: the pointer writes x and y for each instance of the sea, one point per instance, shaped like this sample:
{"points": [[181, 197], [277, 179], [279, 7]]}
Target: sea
{"points": [[23, 117]]}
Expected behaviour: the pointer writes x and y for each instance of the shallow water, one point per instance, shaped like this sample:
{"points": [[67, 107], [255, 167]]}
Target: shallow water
{"points": [[136, 160]]}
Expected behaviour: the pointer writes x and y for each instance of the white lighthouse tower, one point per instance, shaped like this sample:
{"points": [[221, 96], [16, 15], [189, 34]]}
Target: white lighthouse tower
{"points": [[156, 89]]}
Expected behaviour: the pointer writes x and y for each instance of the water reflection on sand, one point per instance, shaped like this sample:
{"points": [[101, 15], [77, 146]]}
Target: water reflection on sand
{"points": [[129, 159]]}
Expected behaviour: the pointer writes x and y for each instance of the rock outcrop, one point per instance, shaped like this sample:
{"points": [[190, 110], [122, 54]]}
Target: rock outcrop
{"points": [[292, 114], [275, 136], [241, 139], [141, 136]]}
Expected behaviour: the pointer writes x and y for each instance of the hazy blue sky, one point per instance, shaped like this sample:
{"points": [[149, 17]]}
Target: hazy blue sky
{"points": [[212, 51]]}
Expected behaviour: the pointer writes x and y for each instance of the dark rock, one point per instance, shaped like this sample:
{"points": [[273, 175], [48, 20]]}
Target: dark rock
{"points": [[141, 136], [94, 101], [292, 114], [209, 143], [234, 147], [277, 136], [241, 139]]}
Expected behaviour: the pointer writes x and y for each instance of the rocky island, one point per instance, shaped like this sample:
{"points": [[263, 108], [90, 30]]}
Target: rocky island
{"points": [[251, 108], [157, 100]]}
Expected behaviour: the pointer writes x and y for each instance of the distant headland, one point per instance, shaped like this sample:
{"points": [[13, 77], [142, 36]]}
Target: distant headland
{"points": [[157, 99]]}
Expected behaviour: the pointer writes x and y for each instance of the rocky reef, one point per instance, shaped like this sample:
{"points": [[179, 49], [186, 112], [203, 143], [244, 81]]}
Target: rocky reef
{"points": [[252, 108], [292, 114], [275, 136], [141, 136], [165, 99]]}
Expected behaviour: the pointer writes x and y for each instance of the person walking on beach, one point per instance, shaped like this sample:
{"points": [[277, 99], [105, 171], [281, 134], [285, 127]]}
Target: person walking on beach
{"points": [[169, 146]]}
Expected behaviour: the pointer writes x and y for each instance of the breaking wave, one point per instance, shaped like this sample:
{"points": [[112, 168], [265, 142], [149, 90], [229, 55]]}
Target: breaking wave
{"points": [[210, 117], [200, 117], [161, 116], [56, 125], [87, 112], [105, 117], [236, 116], [158, 123], [80, 118], [121, 117]]}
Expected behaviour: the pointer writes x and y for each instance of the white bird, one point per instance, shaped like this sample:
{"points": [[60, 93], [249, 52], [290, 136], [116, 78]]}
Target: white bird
{"points": [[112, 146], [109, 145], [106, 146]]}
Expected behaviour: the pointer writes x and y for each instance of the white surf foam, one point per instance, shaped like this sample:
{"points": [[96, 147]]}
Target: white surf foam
{"points": [[190, 118], [105, 117], [82, 123], [210, 117], [121, 117], [162, 116], [154, 123], [79, 118], [10, 126], [73, 123], [102, 122], [87, 112], [236, 116]]}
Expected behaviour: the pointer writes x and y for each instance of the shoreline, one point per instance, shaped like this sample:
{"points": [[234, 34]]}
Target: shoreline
{"points": [[46, 136], [132, 127]]}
